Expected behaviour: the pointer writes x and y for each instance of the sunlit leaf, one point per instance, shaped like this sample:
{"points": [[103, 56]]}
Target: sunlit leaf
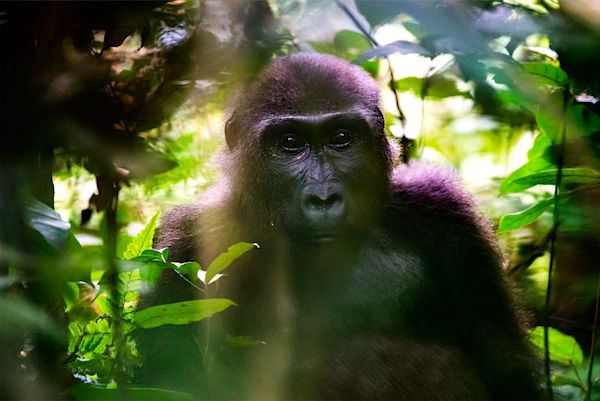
{"points": [[517, 220], [180, 312], [187, 268], [151, 271], [224, 260], [547, 71], [143, 240], [563, 348], [533, 166]]}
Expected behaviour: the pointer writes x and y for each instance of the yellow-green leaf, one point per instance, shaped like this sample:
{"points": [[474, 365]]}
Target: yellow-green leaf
{"points": [[224, 260], [513, 221], [563, 348], [143, 240], [181, 312]]}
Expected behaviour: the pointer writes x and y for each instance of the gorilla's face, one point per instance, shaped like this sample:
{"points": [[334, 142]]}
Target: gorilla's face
{"points": [[326, 177]]}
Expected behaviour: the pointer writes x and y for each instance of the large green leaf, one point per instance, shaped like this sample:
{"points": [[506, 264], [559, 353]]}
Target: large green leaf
{"points": [[180, 312], [535, 165], [563, 348], [547, 71], [143, 240], [572, 175], [48, 223], [513, 221], [224, 260]]}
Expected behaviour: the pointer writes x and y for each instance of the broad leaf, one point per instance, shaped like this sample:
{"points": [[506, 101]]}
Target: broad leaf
{"points": [[514, 221], [533, 166], [48, 223], [547, 71], [151, 271], [563, 348], [224, 260], [143, 240], [180, 312], [188, 268]]}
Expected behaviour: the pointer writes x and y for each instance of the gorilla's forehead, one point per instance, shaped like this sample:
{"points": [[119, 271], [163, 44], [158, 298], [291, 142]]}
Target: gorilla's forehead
{"points": [[349, 118]]}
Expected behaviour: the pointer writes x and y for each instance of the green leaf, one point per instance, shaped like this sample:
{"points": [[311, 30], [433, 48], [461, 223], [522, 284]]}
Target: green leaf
{"points": [[151, 271], [91, 392], [48, 223], [143, 240], [547, 71], [534, 165], [224, 260], [187, 268], [181, 312], [513, 221], [152, 255], [437, 87], [572, 175], [563, 348]]}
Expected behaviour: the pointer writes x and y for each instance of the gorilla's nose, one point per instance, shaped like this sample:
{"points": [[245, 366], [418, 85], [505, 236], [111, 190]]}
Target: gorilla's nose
{"points": [[323, 202]]}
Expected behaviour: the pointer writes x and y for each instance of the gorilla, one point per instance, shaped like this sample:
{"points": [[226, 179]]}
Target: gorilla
{"points": [[371, 281]]}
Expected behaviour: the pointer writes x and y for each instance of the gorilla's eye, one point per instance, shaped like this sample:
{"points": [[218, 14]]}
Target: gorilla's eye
{"points": [[290, 143], [341, 140]]}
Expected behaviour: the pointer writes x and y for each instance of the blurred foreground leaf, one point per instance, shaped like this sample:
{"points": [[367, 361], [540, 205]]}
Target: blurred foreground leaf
{"points": [[90, 392], [48, 223]]}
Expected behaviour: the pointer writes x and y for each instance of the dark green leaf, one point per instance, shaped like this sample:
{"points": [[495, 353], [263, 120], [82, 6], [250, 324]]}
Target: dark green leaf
{"points": [[48, 223], [514, 221], [151, 271], [19, 317], [181, 312], [224, 260]]}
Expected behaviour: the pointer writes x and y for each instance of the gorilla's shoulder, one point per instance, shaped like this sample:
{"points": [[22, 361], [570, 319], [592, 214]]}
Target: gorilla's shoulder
{"points": [[176, 232], [422, 187]]}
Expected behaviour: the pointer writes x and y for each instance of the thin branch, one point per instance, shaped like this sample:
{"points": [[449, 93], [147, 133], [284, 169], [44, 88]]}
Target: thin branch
{"points": [[553, 235], [392, 83]]}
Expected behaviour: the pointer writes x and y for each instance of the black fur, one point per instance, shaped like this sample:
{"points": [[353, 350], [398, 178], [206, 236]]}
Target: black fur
{"points": [[406, 302]]}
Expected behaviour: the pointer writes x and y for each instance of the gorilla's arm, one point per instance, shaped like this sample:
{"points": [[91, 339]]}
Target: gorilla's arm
{"points": [[465, 262]]}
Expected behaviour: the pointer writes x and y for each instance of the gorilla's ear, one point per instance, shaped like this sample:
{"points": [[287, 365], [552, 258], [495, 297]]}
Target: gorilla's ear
{"points": [[231, 132]]}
